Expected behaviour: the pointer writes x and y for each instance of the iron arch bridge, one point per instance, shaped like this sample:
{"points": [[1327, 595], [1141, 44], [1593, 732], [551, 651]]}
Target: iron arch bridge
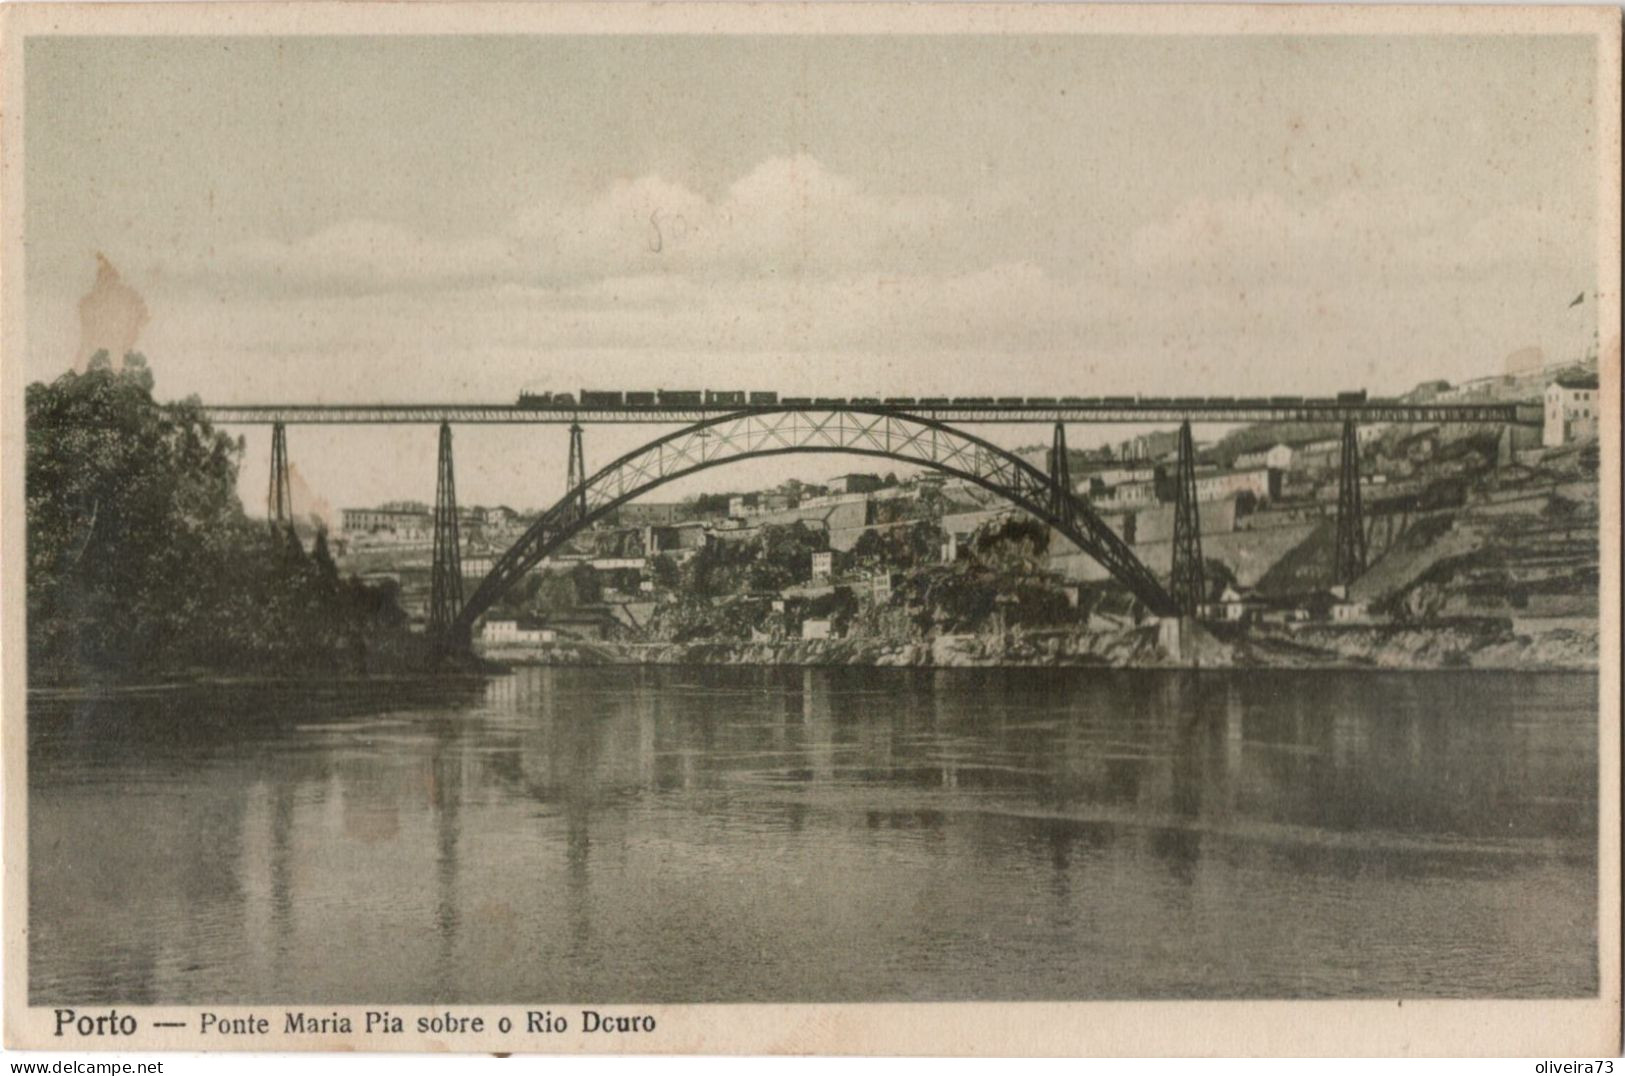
{"points": [[886, 434]]}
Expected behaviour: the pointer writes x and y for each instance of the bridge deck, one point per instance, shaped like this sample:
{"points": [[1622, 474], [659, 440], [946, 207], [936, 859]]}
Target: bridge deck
{"points": [[1143, 411]]}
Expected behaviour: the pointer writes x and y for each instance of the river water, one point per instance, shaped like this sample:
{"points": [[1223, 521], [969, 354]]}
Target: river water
{"points": [[578, 835]]}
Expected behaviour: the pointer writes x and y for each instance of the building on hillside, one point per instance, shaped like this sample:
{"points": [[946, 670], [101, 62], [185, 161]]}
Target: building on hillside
{"points": [[1317, 453], [1572, 406], [882, 584], [1129, 494], [517, 632], [818, 628], [823, 565], [1349, 612], [1149, 446], [1236, 605], [1278, 456], [401, 525], [648, 514], [1107, 477], [1369, 433], [854, 483], [680, 540], [497, 515], [1264, 483]]}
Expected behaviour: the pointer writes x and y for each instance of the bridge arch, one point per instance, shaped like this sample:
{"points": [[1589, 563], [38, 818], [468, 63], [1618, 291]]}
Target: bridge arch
{"points": [[760, 433]]}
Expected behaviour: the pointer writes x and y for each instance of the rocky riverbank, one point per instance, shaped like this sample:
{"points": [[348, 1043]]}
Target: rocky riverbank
{"points": [[1479, 644]]}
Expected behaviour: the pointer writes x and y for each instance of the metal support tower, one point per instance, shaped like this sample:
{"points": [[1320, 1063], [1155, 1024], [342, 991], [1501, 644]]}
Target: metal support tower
{"points": [[1349, 560], [446, 579], [1187, 586], [279, 500], [576, 481], [1060, 471]]}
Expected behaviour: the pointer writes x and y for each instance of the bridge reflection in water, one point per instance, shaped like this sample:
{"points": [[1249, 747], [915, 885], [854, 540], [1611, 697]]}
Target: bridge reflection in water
{"points": [[793, 834]]}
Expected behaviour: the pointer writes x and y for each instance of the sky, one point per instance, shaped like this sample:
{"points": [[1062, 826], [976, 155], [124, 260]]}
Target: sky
{"points": [[458, 218]]}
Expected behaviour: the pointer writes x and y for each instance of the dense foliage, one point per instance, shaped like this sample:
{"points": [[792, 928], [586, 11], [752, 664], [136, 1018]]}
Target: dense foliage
{"points": [[142, 563]]}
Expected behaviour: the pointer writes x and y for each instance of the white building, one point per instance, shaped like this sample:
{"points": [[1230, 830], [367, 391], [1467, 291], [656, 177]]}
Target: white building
{"points": [[823, 565], [815, 629], [1278, 456], [1572, 404], [882, 584], [1129, 494], [514, 632], [1350, 612], [1264, 483], [399, 525], [1115, 476]]}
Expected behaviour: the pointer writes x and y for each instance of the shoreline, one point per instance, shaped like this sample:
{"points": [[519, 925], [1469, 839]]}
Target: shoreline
{"points": [[1469, 646], [1465, 646]]}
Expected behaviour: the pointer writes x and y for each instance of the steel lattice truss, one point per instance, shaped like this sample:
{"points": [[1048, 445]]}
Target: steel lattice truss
{"points": [[890, 435], [1137, 411]]}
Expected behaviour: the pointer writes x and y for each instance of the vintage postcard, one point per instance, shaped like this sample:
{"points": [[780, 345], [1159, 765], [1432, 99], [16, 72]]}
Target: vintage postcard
{"points": [[933, 529]]}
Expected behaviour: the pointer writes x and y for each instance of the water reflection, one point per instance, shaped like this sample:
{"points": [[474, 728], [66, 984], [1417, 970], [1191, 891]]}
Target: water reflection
{"points": [[818, 834]]}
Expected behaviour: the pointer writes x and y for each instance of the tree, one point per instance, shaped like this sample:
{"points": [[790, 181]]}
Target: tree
{"points": [[783, 556], [664, 572], [140, 558]]}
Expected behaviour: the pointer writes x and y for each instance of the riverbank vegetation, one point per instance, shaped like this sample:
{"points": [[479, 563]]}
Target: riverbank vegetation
{"points": [[142, 563]]}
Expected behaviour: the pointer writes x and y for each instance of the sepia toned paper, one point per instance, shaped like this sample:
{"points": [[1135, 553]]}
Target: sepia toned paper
{"points": [[714, 562]]}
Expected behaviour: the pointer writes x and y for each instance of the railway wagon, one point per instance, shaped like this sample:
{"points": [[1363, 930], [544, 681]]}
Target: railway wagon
{"points": [[681, 398], [640, 399], [724, 398], [597, 398], [764, 399], [1357, 396]]}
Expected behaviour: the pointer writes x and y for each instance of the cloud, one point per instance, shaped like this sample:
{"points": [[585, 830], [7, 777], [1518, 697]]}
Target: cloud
{"points": [[1354, 234], [366, 256], [787, 217]]}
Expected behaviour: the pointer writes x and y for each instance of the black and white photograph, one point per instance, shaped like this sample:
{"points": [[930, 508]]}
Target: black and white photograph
{"points": [[561, 521]]}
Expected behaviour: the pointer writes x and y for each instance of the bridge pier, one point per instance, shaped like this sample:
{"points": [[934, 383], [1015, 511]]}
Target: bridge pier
{"points": [[279, 499], [1060, 470], [1349, 558], [575, 481], [1187, 585], [446, 572]]}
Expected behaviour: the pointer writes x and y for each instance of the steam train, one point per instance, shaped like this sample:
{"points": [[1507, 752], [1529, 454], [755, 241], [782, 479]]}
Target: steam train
{"points": [[669, 399]]}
